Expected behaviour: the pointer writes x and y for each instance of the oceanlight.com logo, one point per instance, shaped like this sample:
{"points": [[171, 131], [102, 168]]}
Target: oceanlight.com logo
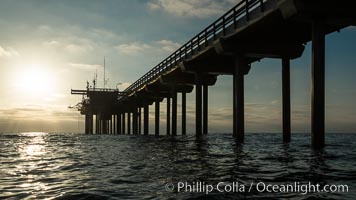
{"points": [[238, 187]]}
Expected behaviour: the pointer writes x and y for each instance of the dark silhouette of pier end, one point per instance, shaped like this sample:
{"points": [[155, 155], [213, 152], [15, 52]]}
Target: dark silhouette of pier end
{"points": [[248, 32]]}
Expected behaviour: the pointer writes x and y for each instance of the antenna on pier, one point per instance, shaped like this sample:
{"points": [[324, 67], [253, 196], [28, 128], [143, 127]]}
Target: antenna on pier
{"points": [[104, 74], [95, 78], [105, 79]]}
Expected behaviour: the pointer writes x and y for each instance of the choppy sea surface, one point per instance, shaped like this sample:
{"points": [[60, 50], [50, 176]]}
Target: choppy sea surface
{"points": [[79, 166]]}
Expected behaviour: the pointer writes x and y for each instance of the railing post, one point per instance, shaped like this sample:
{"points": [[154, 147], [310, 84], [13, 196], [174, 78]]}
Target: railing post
{"points": [[234, 15], [214, 31], [198, 39], [223, 24], [261, 6], [247, 10], [185, 52], [206, 38]]}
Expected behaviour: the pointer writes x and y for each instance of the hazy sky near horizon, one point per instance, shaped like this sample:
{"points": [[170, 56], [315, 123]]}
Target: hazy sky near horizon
{"points": [[48, 47]]}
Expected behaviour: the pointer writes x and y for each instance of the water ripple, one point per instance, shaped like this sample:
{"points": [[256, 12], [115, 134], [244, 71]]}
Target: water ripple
{"points": [[72, 166]]}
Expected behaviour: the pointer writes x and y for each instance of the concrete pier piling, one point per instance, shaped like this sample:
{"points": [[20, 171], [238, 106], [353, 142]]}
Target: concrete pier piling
{"points": [[238, 107], [205, 109], [118, 122], [184, 111], [135, 120], [129, 123], [174, 113], [139, 120], [145, 119], [318, 85], [198, 105], [88, 123], [286, 123], [168, 119], [123, 123], [157, 114]]}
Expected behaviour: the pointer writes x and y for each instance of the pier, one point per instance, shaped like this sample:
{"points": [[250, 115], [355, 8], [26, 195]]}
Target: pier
{"points": [[248, 32]]}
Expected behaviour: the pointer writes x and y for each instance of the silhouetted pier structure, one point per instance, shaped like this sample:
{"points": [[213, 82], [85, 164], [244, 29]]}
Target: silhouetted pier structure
{"points": [[250, 31], [101, 103]]}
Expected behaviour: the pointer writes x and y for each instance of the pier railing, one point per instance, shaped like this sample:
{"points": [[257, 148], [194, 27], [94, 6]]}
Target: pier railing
{"points": [[85, 92], [201, 41]]}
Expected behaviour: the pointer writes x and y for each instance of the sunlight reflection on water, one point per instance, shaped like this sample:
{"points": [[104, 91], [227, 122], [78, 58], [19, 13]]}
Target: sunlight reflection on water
{"points": [[31, 151], [33, 147], [44, 166]]}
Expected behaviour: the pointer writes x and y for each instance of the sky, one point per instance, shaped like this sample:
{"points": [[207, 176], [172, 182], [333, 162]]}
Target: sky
{"points": [[48, 47]]}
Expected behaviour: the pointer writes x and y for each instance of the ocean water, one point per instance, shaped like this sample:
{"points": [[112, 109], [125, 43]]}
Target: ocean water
{"points": [[78, 166]]}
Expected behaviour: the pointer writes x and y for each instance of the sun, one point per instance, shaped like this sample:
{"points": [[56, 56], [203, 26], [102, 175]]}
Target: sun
{"points": [[35, 80]]}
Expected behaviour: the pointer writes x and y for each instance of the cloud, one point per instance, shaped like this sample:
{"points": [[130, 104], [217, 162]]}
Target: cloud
{"points": [[72, 39], [73, 46], [83, 66], [103, 33], [132, 48], [276, 101], [8, 52], [192, 8], [45, 113], [44, 28], [51, 43], [161, 46], [78, 48], [55, 97], [168, 45], [52, 118]]}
